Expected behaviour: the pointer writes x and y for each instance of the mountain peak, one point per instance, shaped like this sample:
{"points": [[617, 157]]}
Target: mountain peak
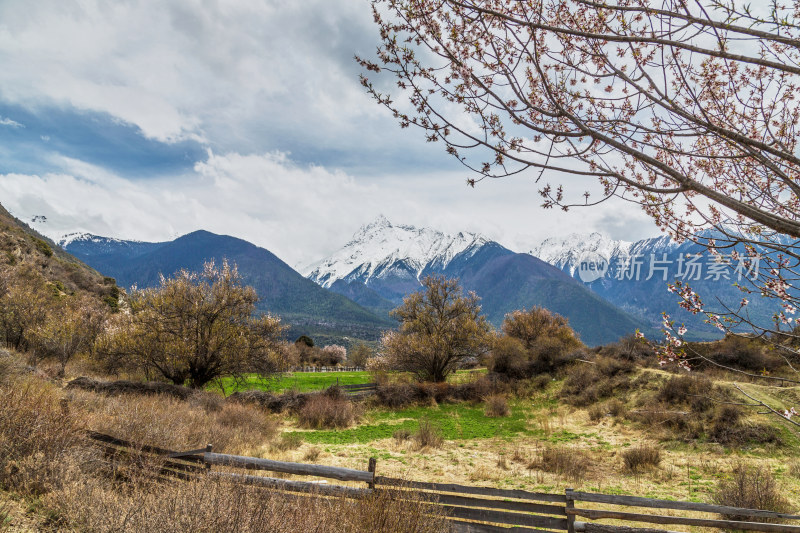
{"points": [[381, 223], [381, 245]]}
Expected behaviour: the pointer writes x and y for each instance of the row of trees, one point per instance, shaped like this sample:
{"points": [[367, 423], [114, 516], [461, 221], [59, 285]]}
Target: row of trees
{"points": [[199, 326]]}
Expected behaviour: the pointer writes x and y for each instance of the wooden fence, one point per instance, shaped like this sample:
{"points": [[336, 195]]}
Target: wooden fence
{"points": [[470, 509]]}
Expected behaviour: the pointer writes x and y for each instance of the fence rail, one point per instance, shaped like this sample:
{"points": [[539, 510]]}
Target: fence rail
{"points": [[470, 509]]}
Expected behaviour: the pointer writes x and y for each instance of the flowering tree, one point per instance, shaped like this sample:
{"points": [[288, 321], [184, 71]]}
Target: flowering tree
{"points": [[688, 108], [334, 354]]}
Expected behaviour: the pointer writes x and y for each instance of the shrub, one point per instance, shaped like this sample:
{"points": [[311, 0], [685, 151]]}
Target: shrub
{"points": [[686, 389], [429, 435], [395, 395], [534, 342], [568, 462], [581, 386], [312, 454], [750, 487], [38, 434], [743, 353], [401, 434], [497, 406], [288, 441], [327, 411], [630, 348], [641, 457], [610, 366], [596, 412]]}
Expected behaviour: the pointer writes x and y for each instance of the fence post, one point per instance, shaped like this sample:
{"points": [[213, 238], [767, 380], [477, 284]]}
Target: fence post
{"points": [[570, 505], [208, 450], [373, 463]]}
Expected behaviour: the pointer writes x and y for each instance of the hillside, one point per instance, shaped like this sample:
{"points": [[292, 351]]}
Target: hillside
{"points": [[22, 247], [307, 307]]}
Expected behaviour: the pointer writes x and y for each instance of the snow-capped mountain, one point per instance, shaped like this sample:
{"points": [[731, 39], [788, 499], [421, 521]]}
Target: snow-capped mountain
{"points": [[384, 262], [566, 253], [380, 249], [82, 236]]}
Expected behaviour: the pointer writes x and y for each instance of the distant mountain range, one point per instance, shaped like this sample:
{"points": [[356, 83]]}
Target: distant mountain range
{"points": [[637, 273], [606, 288], [383, 262], [307, 307]]}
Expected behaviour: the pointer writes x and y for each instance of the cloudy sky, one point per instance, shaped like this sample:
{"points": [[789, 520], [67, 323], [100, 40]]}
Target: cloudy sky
{"points": [[150, 119]]}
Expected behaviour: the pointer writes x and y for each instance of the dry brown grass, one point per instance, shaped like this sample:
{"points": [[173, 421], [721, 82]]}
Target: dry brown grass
{"points": [[212, 506], [176, 424], [641, 458], [44, 455], [568, 462], [327, 411], [428, 435], [37, 436], [497, 406]]}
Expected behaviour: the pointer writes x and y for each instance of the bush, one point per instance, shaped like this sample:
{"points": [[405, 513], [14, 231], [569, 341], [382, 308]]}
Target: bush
{"points": [[568, 462], [742, 353], [401, 435], [327, 411], [38, 434], [288, 441], [611, 407], [630, 348], [686, 389], [429, 435], [750, 487], [581, 386], [497, 406], [641, 457], [396, 395]]}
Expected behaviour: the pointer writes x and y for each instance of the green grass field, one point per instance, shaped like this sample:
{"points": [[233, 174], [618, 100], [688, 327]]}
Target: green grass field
{"points": [[299, 381], [311, 381], [457, 422]]}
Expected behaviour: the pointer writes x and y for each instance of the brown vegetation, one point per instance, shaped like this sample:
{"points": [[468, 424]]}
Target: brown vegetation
{"points": [[497, 406], [439, 329], [750, 487], [641, 457], [533, 342], [571, 463], [331, 409], [428, 435]]}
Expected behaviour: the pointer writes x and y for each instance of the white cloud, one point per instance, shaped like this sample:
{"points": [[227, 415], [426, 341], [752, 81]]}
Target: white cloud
{"points": [[5, 121], [268, 85], [217, 71], [299, 212]]}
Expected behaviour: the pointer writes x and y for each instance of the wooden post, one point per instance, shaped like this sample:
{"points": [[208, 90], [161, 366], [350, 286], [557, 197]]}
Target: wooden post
{"points": [[371, 468], [209, 449], [570, 505]]}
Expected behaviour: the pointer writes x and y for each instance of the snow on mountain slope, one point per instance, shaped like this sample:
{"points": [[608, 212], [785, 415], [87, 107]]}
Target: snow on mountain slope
{"points": [[378, 247], [565, 253], [80, 236]]}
